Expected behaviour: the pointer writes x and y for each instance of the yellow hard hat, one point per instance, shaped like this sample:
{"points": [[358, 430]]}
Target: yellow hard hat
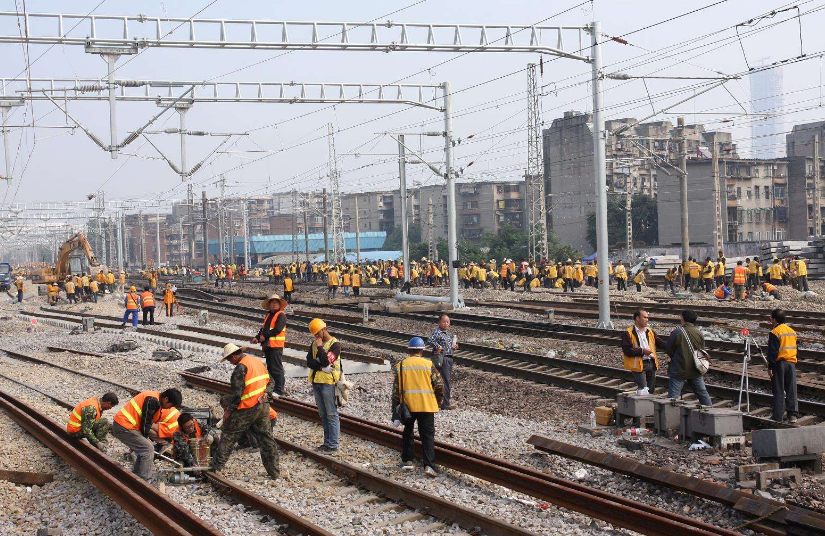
{"points": [[132, 288], [316, 325]]}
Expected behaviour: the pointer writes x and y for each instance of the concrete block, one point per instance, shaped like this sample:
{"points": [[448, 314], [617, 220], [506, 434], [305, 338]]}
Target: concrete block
{"points": [[716, 422], [776, 443], [685, 433], [631, 405], [666, 414], [764, 477], [742, 471]]}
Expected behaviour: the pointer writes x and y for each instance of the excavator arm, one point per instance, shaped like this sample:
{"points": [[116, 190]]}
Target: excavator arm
{"points": [[74, 243]]}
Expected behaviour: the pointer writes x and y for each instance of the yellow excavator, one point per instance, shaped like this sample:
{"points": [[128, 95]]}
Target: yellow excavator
{"points": [[64, 266]]}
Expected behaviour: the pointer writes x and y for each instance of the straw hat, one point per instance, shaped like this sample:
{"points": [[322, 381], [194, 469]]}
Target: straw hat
{"points": [[231, 349], [265, 303]]}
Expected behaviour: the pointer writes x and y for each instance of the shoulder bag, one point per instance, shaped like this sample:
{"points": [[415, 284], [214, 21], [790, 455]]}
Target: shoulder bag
{"points": [[700, 357], [402, 412]]}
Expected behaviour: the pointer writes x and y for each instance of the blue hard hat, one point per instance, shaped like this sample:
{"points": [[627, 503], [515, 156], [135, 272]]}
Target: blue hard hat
{"points": [[416, 343]]}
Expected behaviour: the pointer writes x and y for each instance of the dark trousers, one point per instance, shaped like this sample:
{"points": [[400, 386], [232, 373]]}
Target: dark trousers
{"points": [[149, 312], [802, 283], [275, 367], [446, 370], [426, 431], [708, 284], [783, 385], [647, 377], [669, 285], [621, 284], [356, 291], [20, 296], [288, 296]]}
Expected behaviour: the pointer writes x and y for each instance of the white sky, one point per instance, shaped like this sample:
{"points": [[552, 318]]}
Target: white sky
{"points": [[60, 166]]}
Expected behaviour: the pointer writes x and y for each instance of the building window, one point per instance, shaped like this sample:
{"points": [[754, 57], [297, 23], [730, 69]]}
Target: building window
{"points": [[740, 237], [756, 192], [750, 216], [756, 174], [738, 192], [767, 192], [469, 205], [750, 237], [779, 192], [758, 217], [757, 236], [748, 193]]}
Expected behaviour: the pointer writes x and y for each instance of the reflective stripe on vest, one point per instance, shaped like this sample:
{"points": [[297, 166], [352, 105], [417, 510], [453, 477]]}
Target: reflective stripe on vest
{"points": [[418, 393], [255, 381], [739, 275], [131, 301], [75, 418], [168, 424], [279, 340], [130, 414], [148, 299]]}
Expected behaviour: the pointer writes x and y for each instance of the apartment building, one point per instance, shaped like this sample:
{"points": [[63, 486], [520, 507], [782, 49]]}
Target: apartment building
{"points": [[801, 206], [752, 199]]}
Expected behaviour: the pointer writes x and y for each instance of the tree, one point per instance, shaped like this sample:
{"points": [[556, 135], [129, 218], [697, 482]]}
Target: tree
{"points": [[645, 222]]}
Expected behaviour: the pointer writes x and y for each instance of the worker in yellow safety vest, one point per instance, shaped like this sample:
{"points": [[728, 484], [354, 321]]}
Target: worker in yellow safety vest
{"points": [[782, 367], [272, 338], [416, 394], [332, 282], [639, 353], [801, 275], [621, 276]]}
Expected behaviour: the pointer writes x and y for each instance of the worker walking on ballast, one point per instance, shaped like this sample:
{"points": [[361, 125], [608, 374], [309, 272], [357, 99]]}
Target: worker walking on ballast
{"points": [[134, 421], [249, 406], [85, 421], [272, 337], [417, 385], [132, 303]]}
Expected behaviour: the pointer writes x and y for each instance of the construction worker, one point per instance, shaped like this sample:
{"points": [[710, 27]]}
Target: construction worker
{"points": [[94, 288], [162, 431], [721, 261], [621, 276], [639, 353], [19, 284], [776, 273], [272, 338], [147, 303], [122, 282], [132, 303], [53, 293], [288, 287], [670, 276], [87, 291], [708, 271], [723, 292], [86, 423], [134, 421], [69, 287], [739, 280], [417, 385], [801, 275], [693, 271], [444, 342], [332, 282], [771, 290], [230, 275], [681, 344], [356, 283], [169, 300], [640, 279], [346, 282], [249, 408], [781, 357], [110, 282], [753, 268], [567, 274], [323, 360]]}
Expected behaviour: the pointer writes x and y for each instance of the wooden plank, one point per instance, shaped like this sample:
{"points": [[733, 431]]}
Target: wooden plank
{"points": [[26, 478]]}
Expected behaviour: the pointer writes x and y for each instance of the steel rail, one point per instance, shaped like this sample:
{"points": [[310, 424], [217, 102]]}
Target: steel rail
{"points": [[776, 523], [594, 503], [534, 367], [297, 525], [152, 509]]}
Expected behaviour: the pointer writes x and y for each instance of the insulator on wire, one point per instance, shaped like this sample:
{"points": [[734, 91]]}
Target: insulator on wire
{"points": [[195, 169], [97, 140], [197, 133], [88, 88], [129, 139], [131, 83]]}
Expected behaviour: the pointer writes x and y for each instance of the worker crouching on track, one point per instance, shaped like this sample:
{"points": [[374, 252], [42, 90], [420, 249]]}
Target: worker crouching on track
{"points": [[782, 367], [249, 408], [639, 352], [272, 337], [134, 421], [323, 360], [132, 303], [680, 346], [85, 421], [771, 290], [417, 385]]}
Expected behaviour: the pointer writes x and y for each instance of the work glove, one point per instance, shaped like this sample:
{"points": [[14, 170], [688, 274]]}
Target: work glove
{"points": [[327, 369], [396, 423]]}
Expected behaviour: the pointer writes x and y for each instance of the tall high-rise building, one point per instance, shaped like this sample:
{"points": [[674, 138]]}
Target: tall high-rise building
{"points": [[767, 100]]}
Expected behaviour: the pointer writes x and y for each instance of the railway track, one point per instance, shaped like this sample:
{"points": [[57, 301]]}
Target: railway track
{"points": [[430, 512], [596, 379], [591, 502]]}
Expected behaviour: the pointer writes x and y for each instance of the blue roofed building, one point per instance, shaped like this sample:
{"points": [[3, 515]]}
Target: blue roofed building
{"points": [[282, 246]]}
